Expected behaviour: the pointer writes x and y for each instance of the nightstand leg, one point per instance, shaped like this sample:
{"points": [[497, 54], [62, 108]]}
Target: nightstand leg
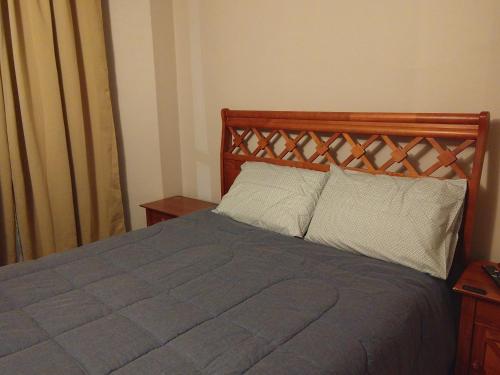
{"points": [[468, 307]]}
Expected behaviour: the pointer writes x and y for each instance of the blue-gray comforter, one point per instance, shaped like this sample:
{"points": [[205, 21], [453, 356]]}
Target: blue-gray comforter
{"points": [[204, 294]]}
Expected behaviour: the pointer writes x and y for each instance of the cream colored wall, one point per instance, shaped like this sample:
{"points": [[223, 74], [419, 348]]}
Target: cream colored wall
{"points": [[136, 88], [162, 24], [343, 55]]}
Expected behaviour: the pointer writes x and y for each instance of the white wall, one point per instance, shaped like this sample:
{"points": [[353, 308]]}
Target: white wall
{"points": [[143, 81], [342, 55], [162, 23]]}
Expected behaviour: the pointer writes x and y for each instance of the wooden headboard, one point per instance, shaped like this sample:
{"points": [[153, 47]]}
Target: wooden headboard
{"points": [[442, 145]]}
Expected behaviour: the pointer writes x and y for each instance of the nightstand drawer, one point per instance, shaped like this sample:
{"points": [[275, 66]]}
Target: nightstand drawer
{"points": [[488, 313], [153, 217], [485, 356]]}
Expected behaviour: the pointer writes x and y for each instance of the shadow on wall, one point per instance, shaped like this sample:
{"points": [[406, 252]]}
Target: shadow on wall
{"points": [[488, 196], [116, 110]]}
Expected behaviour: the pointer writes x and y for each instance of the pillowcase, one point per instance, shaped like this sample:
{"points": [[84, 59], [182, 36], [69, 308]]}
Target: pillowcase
{"points": [[277, 198], [410, 221]]}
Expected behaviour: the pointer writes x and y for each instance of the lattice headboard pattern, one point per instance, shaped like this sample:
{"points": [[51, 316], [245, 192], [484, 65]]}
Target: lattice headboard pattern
{"points": [[403, 144]]}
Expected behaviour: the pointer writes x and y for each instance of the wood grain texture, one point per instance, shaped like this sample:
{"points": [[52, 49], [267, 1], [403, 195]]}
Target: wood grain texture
{"points": [[466, 329], [475, 276], [478, 348], [485, 355], [172, 207], [153, 217], [448, 135]]}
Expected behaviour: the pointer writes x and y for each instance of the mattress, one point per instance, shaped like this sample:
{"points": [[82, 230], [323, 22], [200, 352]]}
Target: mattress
{"points": [[204, 294]]}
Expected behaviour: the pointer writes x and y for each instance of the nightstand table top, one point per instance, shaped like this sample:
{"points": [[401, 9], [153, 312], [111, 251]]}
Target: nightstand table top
{"points": [[178, 205], [475, 276]]}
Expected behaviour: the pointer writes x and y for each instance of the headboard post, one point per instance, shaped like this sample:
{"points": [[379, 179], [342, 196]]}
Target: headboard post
{"points": [[457, 141], [225, 144], [474, 186]]}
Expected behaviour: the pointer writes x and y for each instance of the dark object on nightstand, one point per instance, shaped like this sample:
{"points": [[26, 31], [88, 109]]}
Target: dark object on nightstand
{"points": [[478, 349], [492, 272], [170, 208]]}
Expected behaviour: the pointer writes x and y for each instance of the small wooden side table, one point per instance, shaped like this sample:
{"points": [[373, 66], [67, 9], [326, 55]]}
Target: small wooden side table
{"points": [[478, 349], [172, 207]]}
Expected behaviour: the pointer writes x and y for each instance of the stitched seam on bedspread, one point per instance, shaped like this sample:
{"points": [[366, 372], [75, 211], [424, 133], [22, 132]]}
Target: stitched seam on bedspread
{"points": [[117, 311], [181, 300], [140, 355], [290, 338], [177, 298], [206, 320], [123, 270], [52, 338], [83, 256]]}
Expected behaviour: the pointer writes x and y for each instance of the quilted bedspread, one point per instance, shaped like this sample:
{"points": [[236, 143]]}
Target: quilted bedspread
{"points": [[205, 294]]}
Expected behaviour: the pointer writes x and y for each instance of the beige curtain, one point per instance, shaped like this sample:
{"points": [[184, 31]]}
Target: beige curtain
{"points": [[58, 160]]}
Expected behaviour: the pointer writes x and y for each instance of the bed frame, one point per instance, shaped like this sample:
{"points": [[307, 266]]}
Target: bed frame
{"points": [[452, 145]]}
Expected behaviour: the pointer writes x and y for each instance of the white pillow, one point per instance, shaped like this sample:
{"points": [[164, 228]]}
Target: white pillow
{"points": [[410, 221], [281, 199]]}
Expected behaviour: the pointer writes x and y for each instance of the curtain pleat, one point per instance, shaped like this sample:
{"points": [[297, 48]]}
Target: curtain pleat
{"points": [[7, 211], [9, 148], [46, 219], [62, 144]]}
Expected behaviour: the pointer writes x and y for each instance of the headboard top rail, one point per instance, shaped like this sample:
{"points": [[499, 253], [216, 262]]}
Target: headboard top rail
{"points": [[443, 145], [444, 118]]}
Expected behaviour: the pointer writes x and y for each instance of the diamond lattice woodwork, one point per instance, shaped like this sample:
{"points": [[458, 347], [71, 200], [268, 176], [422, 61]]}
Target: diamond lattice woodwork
{"points": [[292, 148]]}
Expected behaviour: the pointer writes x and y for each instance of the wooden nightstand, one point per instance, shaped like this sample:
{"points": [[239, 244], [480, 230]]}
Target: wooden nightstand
{"points": [[173, 207], [478, 350]]}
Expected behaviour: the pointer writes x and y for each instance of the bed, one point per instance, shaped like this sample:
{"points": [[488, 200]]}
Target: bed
{"points": [[204, 294]]}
